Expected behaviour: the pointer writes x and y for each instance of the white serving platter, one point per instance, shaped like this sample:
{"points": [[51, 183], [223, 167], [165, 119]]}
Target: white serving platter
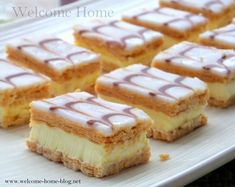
{"points": [[191, 157]]}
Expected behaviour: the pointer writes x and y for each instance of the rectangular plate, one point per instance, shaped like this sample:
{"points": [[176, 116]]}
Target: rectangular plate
{"points": [[190, 157]]}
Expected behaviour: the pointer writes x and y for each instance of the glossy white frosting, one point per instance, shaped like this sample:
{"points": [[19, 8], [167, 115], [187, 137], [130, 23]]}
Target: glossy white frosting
{"points": [[119, 33], [200, 58], [153, 82], [180, 21], [57, 49], [83, 111], [224, 35], [13, 76], [211, 6]]}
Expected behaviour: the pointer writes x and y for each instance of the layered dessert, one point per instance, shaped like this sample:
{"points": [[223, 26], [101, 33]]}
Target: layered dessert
{"points": [[214, 66], [85, 133], [219, 12], [70, 67], [18, 87], [223, 37], [176, 25], [175, 103], [119, 43]]}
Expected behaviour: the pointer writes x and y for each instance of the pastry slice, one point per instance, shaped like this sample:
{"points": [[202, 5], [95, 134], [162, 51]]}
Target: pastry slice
{"points": [[221, 38], [18, 87], [68, 66], [119, 43], [85, 133], [219, 12], [214, 66], [176, 25], [175, 103]]}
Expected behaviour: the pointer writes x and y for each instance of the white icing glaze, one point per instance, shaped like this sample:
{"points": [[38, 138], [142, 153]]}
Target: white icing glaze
{"points": [[200, 58], [55, 48], [153, 81], [224, 35], [83, 111], [120, 33], [180, 21], [13, 76], [211, 6]]}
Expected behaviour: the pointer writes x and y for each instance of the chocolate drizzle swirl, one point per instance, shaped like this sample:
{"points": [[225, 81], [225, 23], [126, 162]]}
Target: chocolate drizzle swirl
{"points": [[104, 119], [227, 32], [42, 46], [162, 91], [69, 56], [49, 40], [207, 6], [208, 67], [186, 18], [122, 42], [9, 79], [20, 47]]}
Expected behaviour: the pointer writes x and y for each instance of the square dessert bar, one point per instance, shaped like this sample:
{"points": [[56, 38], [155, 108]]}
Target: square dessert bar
{"points": [[175, 103], [219, 12], [70, 67], [221, 38], [119, 43], [18, 87], [214, 66], [176, 25], [85, 133]]}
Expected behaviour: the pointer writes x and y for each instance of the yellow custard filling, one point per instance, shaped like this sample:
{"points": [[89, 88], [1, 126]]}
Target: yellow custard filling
{"points": [[73, 84], [222, 91], [143, 58], [163, 122], [82, 149], [14, 114]]}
